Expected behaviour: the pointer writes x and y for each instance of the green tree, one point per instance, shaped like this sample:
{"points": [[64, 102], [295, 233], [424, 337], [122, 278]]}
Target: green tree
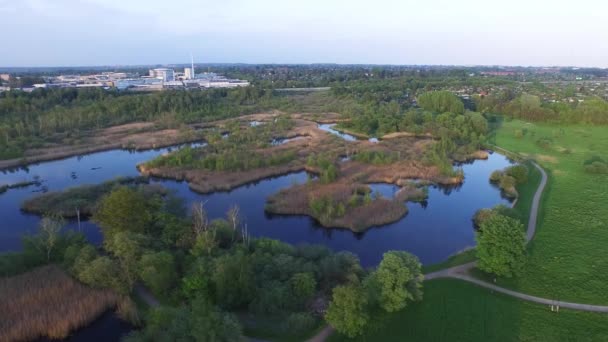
{"points": [[441, 102], [347, 311], [233, 279], [128, 248], [157, 271], [104, 272], [49, 235], [397, 280], [501, 246], [303, 286], [124, 209]]}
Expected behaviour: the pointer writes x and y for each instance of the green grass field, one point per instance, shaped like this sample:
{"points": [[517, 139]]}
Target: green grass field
{"points": [[567, 258], [453, 310]]}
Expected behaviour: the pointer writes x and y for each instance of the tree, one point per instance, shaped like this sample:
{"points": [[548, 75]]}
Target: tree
{"points": [[501, 246], [157, 271], [124, 209], [104, 272], [234, 217], [198, 321], [128, 248], [233, 279], [399, 279], [49, 234], [347, 312], [441, 102], [303, 286]]}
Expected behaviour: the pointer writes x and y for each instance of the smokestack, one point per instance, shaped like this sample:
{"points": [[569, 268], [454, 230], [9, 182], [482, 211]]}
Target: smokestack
{"points": [[192, 60]]}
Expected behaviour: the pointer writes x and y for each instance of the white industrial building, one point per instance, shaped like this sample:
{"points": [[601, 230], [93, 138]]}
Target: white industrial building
{"points": [[188, 73], [163, 74]]}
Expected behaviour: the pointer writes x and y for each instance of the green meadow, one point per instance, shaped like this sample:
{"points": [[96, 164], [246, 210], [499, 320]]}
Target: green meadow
{"points": [[453, 310], [567, 257]]}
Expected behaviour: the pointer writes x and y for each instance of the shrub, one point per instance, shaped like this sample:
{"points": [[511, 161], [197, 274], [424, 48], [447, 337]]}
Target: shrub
{"points": [[596, 165], [299, 322], [496, 176], [544, 142], [507, 182], [519, 172]]}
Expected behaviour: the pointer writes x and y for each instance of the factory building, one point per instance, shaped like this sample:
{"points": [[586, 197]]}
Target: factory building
{"points": [[164, 74]]}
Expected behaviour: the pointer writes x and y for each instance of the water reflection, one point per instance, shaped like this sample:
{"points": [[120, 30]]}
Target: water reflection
{"points": [[432, 230]]}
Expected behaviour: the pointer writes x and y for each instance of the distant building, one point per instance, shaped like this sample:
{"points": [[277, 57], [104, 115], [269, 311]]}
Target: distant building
{"points": [[173, 84], [5, 77], [163, 74], [188, 74]]}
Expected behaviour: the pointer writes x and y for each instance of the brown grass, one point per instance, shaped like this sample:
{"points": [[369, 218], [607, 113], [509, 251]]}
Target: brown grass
{"points": [[296, 201], [48, 302]]}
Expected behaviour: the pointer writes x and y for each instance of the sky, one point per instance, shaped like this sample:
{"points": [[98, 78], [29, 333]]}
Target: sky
{"points": [[430, 32]]}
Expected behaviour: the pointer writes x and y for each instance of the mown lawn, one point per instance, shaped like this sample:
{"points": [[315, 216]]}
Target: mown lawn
{"points": [[453, 310], [567, 257]]}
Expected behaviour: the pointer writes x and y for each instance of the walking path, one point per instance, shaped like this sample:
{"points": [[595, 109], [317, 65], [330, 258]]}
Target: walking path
{"points": [[462, 271]]}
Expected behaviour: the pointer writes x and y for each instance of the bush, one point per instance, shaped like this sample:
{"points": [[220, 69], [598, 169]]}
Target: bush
{"points": [[519, 172], [544, 142], [507, 182], [596, 165], [496, 176], [299, 322]]}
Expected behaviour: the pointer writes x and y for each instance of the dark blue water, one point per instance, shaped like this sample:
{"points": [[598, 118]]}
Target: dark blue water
{"points": [[433, 231], [108, 327]]}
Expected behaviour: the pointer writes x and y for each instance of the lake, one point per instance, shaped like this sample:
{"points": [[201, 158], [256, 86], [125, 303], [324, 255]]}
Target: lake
{"points": [[433, 230]]}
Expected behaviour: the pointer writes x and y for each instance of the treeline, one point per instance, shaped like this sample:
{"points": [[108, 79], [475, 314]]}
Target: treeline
{"points": [[593, 110], [30, 118]]}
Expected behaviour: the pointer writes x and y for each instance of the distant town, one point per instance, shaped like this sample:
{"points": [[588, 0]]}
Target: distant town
{"points": [[158, 79]]}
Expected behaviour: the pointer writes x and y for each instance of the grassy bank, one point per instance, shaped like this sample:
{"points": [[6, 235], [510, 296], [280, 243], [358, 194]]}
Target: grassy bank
{"points": [[47, 302], [453, 310], [566, 258]]}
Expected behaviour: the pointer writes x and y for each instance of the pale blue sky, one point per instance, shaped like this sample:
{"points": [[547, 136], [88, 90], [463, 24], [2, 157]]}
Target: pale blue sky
{"points": [[465, 32]]}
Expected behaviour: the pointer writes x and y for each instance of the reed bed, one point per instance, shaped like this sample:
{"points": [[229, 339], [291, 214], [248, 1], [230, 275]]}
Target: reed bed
{"points": [[48, 302]]}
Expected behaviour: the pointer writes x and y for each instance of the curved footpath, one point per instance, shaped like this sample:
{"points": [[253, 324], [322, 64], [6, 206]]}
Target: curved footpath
{"points": [[461, 271]]}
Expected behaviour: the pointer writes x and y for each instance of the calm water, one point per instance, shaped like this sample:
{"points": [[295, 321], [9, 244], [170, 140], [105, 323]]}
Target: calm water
{"points": [[432, 230], [348, 137]]}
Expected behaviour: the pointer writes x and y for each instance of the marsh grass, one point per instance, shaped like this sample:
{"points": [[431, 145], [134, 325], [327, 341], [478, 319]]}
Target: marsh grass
{"points": [[48, 302]]}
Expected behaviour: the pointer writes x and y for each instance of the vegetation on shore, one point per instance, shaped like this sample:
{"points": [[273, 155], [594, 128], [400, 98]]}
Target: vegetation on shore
{"points": [[240, 151], [214, 266], [82, 200], [509, 178], [6, 187]]}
